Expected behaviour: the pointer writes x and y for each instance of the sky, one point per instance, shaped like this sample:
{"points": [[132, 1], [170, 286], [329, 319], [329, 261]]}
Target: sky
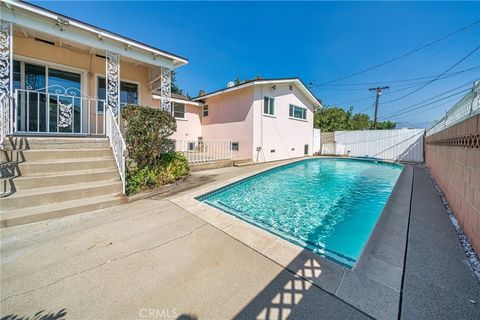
{"points": [[319, 42]]}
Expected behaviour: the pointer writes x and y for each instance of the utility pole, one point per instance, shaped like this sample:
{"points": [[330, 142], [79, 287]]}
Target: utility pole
{"points": [[378, 90]]}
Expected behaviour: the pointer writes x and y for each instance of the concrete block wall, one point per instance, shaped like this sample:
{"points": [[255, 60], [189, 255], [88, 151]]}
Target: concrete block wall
{"points": [[453, 156]]}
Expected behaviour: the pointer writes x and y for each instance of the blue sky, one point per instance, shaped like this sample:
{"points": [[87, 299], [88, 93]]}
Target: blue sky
{"points": [[316, 41]]}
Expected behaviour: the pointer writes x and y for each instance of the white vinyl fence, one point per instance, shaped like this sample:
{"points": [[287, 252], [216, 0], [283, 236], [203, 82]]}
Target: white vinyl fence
{"points": [[317, 143], [399, 144], [203, 151]]}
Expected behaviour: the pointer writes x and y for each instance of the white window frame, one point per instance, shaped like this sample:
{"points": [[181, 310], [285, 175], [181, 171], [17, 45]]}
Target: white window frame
{"points": [[205, 108], [99, 75], [47, 65], [293, 113], [184, 110], [269, 108]]}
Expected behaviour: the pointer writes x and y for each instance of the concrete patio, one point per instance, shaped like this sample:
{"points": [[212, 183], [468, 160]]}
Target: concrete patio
{"points": [[154, 259]]}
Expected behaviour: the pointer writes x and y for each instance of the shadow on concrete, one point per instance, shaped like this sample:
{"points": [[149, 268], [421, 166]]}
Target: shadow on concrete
{"points": [[187, 317], [41, 315], [294, 295]]}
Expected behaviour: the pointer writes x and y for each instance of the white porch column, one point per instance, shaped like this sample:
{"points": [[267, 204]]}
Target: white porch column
{"points": [[6, 83], [112, 82], [166, 89]]}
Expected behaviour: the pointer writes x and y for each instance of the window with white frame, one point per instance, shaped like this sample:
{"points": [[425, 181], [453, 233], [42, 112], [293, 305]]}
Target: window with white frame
{"points": [[297, 112], [128, 93], [269, 106], [205, 110], [178, 110]]}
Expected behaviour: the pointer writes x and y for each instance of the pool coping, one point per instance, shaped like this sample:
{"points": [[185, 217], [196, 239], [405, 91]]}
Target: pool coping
{"points": [[373, 285]]}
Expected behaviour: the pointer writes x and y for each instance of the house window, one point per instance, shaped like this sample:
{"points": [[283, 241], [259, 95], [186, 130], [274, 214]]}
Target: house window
{"points": [[297, 112], [178, 110], [128, 93], [205, 110], [235, 146], [268, 106]]}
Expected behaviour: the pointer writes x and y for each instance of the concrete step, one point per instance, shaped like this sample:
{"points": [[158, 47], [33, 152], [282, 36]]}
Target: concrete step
{"points": [[58, 194], [50, 211], [61, 154], [64, 178], [37, 167], [22, 143]]}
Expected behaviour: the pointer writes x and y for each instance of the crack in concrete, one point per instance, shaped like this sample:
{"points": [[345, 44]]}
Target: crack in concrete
{"points": [[107, 262]]}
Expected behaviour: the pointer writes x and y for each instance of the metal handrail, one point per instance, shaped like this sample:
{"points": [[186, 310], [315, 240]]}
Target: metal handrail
{"points": [[117, 143]]}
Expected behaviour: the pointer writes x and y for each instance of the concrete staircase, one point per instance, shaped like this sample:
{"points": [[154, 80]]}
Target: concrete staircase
{"points": [[45, 178]]}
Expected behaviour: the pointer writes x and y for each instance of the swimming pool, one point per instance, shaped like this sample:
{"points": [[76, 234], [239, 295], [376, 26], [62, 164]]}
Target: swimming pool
{"points": [[328, 206]]}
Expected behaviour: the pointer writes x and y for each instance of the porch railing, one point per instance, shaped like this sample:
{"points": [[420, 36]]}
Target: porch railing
{"points": [[5, 118], [45, 112], [203, 151], [117, 143]]}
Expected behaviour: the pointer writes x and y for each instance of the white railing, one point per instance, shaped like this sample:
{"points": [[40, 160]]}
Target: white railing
{"points": [[467, 107], [204, 151], [5, 118], [117, 143], [57, 113]]}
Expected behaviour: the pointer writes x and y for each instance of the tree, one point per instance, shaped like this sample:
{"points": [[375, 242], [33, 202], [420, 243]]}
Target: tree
{"points": [[174, 88], [386, 125], [332, 119], [360, 121]]}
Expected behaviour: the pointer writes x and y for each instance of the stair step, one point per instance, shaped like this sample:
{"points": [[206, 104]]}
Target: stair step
{"points": [[61, 154], [36, 167], [57, 210], [58, 194], [64, 178], [20, 142]]}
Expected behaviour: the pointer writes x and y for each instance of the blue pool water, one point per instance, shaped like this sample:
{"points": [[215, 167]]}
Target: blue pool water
{"points": [[329, 206]]}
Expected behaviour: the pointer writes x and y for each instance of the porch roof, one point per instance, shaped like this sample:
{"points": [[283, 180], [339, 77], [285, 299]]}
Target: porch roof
{"points": [[36, 18]]}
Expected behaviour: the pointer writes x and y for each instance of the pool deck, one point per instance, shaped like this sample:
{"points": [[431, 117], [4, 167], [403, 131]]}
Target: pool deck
{"points": [[171, 256]]}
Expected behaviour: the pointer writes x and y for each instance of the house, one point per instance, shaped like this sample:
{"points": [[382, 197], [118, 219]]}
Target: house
{"points": [[265, 119], [63, 84]]}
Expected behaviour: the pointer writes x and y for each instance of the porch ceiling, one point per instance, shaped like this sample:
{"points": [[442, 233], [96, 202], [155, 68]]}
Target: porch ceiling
{"points": [[33, 21]]}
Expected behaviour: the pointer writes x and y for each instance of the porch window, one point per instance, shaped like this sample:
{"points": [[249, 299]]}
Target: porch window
{"points": [[128, 93], [269, 106], [297, 112], [178, 110], [41, 89]]}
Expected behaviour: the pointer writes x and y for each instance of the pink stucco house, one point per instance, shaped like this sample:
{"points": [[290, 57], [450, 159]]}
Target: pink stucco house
{"points": [[266, 119]]}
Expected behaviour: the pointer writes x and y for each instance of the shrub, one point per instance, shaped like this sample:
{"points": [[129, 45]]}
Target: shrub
{"points": [[147, 135], [151, 160], [175, 166]]}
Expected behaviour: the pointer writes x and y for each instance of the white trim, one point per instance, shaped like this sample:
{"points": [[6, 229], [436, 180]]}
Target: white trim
{"points": [[299, 107], [49, 64], [97, 75], [184, 110], [190, 102], [99, 33], [273, 115], [295, 81]]}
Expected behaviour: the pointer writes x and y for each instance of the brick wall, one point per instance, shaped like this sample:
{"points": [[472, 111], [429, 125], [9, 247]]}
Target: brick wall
{"points": [[453, 156]]}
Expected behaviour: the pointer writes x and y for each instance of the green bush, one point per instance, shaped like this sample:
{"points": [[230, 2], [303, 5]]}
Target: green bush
{"points": [[151, 161], [148, 132]]}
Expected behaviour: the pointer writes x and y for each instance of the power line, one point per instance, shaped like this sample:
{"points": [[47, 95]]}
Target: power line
{"points": [[403, 55], [429, 99], [441, 74], [403, 80], [417, 106]]}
